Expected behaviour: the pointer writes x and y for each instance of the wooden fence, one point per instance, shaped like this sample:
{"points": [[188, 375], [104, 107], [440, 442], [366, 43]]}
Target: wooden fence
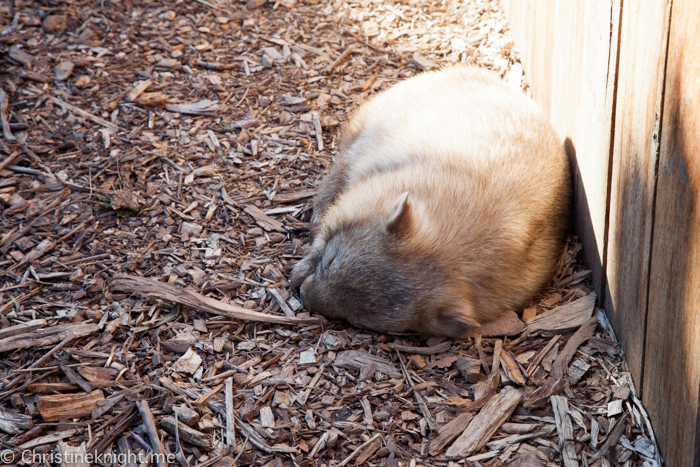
{"points": [[621, 83]]}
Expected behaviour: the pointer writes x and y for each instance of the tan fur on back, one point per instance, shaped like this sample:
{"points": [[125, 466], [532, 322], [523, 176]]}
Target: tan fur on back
{"points": [[486, 216]]}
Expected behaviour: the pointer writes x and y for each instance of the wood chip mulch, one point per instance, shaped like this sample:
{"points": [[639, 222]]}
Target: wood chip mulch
{"points": [[155, 183]]}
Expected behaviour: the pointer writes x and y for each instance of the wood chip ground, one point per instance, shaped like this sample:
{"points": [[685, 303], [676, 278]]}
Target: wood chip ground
{"points": [[158, 160]]}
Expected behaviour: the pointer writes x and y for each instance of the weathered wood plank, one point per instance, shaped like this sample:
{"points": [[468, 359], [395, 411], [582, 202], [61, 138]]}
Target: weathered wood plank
{"points": [[569, 53], [650, 239], [591, 130], [672, 363], [532, 28], [643, 40]]}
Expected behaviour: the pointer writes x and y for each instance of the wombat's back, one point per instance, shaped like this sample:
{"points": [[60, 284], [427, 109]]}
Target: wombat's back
{"points": [[463, 116], [484, 221]]}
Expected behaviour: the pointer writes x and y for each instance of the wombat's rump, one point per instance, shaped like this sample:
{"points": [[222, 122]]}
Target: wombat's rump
{"points": [[448, 205]]}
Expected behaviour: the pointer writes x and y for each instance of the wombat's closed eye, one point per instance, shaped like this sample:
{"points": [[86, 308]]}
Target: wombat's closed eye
{"points": [[330, 253], [448, 206]]}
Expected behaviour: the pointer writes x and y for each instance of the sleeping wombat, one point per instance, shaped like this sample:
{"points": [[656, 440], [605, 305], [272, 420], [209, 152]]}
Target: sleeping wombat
{"points": [[448, 205]]}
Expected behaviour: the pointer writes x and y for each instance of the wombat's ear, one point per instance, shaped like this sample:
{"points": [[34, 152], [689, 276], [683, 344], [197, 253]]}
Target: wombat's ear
{"points": [[400, 218]]}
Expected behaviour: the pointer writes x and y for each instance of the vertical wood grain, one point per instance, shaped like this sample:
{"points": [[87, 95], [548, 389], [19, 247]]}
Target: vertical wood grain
{"points": [[672, 363], [532, 29], [643, 42], [569, 54], [591, 130], [645, 235]]}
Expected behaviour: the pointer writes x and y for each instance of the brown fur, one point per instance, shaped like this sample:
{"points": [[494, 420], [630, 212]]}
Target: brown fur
{"points": [[482, 225]]}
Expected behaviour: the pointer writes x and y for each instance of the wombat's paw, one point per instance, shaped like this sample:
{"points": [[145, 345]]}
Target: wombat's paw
{"points": [[456, 323]]}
